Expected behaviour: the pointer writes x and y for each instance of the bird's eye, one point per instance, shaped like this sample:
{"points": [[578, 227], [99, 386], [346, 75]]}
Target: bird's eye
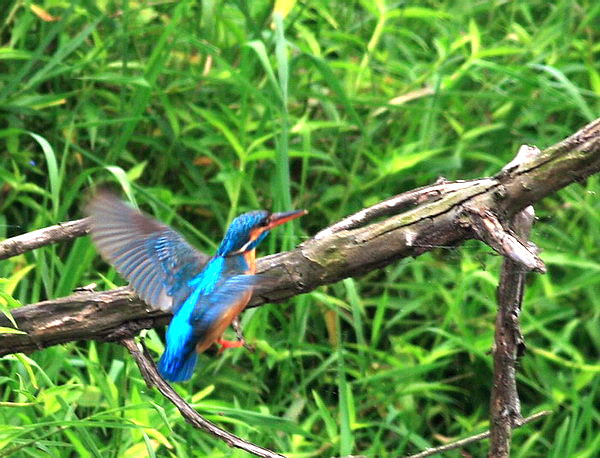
{"points": [[265, 222]]}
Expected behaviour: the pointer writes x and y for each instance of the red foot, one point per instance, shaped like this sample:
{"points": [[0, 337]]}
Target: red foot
{"points": [[229, 344]]}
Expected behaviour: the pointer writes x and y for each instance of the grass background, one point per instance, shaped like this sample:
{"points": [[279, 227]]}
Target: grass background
{"points": [[202, 110]]}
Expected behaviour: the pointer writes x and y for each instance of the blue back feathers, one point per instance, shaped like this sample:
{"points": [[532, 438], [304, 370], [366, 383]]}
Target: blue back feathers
{"points": [[215, 292]]}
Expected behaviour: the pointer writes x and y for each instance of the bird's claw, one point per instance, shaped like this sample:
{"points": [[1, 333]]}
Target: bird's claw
{"points": [[225, 344], [237, 327]]}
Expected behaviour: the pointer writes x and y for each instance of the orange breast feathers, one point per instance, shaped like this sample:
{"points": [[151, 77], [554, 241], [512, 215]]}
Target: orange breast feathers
{"points": [[250, 257], [224, 320]]}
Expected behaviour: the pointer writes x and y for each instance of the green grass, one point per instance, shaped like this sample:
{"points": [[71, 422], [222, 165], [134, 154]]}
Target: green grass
{"points": [[201, 110]]}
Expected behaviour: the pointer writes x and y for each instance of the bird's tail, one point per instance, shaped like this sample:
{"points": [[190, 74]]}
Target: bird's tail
{"points": [[177, 368]]}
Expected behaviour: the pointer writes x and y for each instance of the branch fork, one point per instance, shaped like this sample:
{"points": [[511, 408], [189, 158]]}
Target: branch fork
{"points": [[488, 228], [443, 214]]}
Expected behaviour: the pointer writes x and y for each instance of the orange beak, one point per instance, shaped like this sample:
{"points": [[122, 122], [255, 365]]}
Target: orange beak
{"points": [[283, 217], [276, 220]]}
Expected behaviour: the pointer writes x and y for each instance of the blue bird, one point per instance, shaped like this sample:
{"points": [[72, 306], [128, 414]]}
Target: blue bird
{"points": [[169, 274]]}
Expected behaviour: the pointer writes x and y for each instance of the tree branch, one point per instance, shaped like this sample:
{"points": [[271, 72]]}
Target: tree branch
{"points": [[153, 379], [476, 437], [488, 229], [30, 241], [505, 407], [417, 222]]}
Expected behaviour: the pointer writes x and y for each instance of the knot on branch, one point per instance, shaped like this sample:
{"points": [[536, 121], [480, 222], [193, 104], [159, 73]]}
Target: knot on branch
{"points": [[525, 155]]}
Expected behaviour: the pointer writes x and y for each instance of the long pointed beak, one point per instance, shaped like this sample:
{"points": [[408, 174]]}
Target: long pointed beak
{"points": [[284, 217]]}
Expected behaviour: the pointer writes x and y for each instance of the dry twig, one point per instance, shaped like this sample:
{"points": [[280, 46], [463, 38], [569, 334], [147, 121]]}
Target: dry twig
{"points": [[476, 438], [153, 379], [30, 241]]}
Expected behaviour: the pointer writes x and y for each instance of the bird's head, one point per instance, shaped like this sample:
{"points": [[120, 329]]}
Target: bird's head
{"points": [[248, 230]]}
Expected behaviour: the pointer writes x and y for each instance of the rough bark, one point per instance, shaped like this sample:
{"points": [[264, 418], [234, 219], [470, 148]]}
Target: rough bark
{"points": [[58, 233], [437, 215], [505, 406]]}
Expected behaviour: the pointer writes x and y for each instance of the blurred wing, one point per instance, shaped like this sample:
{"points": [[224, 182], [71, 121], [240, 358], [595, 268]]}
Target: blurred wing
{"points": [[155, 259], [213, 308]]}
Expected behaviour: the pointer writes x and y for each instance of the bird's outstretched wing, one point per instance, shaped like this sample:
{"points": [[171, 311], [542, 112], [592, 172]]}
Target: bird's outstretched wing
{"points": [[155, 259]]}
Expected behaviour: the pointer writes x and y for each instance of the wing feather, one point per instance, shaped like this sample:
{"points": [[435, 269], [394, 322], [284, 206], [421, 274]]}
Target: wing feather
{"points": [[155, 259]]}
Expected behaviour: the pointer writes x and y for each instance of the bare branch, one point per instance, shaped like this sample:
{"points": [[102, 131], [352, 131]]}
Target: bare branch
{"points": [[505, 407], [30, 241], [153, 379], [475, 438], [394, 205]]}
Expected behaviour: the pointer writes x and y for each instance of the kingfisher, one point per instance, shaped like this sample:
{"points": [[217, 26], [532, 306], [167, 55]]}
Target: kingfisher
{"points": [[169, 274]]}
